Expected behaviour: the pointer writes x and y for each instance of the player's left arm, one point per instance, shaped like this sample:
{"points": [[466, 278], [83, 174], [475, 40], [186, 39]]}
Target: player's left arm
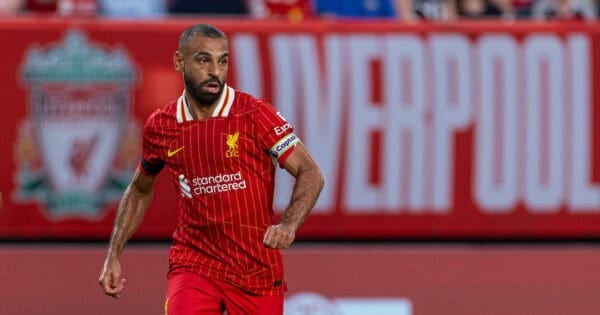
{"points": [[308, 186]]}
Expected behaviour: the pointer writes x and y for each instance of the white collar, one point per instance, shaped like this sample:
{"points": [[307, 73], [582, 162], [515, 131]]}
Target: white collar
{"points": [[221, 110]]}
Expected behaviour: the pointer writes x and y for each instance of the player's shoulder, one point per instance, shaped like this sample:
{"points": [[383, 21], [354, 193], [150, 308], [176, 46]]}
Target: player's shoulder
{"points": [[246, 104], [163, 115]]}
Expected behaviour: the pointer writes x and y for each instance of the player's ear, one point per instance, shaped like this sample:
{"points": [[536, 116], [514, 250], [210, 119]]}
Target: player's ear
{"points": [[178, 61]]}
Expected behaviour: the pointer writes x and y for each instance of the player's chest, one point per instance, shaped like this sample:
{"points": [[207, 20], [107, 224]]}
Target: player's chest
{"points": [[211, 142]]}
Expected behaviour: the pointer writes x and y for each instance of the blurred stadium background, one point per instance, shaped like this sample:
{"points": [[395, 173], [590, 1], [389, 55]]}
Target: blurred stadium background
{"points": [[458, 140]]}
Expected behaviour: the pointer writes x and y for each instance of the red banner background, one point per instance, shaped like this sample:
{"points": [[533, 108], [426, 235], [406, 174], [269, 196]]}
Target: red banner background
{"points": [[398, 117]]}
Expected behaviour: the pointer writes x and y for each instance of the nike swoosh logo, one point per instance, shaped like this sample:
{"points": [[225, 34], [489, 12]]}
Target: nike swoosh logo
{"points": [[171, 153]]}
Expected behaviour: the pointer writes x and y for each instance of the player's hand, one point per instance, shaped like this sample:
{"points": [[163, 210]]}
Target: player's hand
{"points": [[110, 278], [279, 236]]}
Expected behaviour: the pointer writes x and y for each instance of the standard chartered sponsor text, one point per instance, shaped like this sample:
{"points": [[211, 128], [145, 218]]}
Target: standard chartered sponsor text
{"points": [[218, 183]]}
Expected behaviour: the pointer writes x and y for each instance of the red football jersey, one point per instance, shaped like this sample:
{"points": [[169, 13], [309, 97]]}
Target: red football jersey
{"points": [[224, 167]]}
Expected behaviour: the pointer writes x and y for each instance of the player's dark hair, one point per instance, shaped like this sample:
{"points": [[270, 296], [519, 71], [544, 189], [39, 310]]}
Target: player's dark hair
{"points": [[205, 30]]}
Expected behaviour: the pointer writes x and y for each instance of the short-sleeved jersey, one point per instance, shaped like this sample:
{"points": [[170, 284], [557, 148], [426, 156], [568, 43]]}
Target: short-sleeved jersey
{"points": [[224, 168]]}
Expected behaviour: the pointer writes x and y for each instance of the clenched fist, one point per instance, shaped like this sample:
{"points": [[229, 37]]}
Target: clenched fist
{"points": [[279, 236]]}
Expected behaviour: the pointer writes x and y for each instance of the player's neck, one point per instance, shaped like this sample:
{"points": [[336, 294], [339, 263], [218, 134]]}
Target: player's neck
{"points": [[199, 111]]}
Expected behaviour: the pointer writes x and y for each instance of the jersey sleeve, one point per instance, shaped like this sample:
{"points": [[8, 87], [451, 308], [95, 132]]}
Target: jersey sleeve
{"points": [[152, 161], [275, 135]]}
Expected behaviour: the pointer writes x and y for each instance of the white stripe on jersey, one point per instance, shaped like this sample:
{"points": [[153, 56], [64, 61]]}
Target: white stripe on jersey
{"points": [[229, 102], [183, 109], [217, 109], [180, 109], [187, 115]]}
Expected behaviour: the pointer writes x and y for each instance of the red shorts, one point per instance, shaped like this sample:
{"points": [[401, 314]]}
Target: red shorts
{"points": [[189, 293]]}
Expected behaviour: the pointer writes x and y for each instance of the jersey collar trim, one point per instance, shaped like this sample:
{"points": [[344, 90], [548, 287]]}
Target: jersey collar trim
{"points": [[225, 102], [183, 112], [221, 110]]}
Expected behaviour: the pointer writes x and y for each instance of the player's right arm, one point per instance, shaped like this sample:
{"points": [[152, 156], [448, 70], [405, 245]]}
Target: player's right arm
{"points": [[130, 214]]}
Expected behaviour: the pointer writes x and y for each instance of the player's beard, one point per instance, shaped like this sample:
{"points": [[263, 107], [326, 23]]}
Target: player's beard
{"points": [[205, 99]]}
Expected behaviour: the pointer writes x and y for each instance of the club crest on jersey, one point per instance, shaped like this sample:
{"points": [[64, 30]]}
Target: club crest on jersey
{"points": [[78, 147], [231, 141]]}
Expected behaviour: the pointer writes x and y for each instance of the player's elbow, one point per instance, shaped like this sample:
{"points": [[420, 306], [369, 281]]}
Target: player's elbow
{"points": [[320, 181]]}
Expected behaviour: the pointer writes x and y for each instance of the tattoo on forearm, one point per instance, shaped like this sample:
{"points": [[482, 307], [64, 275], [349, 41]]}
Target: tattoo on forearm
{"points": [[129, 217], [306, 192]]}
